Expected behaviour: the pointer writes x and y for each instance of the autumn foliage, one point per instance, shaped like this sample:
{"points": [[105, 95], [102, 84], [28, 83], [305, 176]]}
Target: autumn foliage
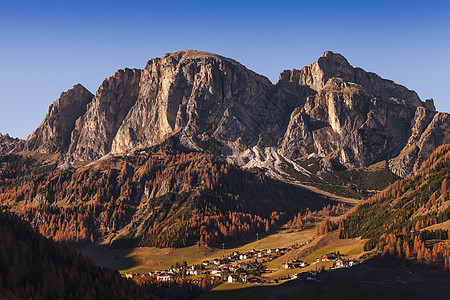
{"points": [[162, 197], [395, 220]]}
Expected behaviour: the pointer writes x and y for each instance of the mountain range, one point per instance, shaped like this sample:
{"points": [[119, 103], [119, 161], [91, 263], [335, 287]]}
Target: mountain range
{"points": [[197, 149], [340, 115]]}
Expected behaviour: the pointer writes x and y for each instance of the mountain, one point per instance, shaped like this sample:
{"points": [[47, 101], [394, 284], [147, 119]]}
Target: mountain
{"points": [[343, 116], [9, 144], [411, 217], [54, 133]]}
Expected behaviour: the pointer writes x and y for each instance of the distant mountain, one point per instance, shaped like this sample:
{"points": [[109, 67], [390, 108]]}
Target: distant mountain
{"points": [[343, 116]]}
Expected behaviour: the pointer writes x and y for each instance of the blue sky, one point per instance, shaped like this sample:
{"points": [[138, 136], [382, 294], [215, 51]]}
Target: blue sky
{"points": [[48, 46]]}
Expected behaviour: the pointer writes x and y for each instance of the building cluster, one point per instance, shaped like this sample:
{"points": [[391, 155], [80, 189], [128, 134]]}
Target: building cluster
{"points": [[236, 267], [245, 267]]}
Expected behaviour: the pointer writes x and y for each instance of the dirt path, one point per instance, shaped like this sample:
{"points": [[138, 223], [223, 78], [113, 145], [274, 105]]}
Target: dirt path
{"points": [[350, 201]]}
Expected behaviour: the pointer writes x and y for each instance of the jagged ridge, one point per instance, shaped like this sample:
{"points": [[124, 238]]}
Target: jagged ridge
{"points": [[345, 116]]}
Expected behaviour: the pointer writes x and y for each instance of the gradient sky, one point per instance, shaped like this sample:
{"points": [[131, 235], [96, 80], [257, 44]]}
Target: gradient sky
{"points": [[48, 46]]}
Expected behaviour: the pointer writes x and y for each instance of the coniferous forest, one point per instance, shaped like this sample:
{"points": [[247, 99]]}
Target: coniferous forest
{"points": [[163, 196], [395, 220]]}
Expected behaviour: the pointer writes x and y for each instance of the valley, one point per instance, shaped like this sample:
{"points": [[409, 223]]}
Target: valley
{"points": [[196, 174]]}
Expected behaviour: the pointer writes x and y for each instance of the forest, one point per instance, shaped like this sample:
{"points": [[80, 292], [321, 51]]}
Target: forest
{"points": [[35, 267], [396, 220], [163, 196]]}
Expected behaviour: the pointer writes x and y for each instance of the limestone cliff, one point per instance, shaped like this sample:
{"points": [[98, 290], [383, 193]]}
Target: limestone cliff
{"points": [[9, 145], [343, 115], [94, 131], [356, 118], [202, 94], [54, 133]]}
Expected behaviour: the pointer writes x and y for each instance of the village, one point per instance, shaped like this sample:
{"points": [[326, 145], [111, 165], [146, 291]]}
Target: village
{"points": [[247, 268]]}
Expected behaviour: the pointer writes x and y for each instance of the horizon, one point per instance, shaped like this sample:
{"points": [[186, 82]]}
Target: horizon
{"points": [[51, 46]]}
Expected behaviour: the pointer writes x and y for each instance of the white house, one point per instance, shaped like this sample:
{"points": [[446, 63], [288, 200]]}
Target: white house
{"points": [[243, 256], [194, 272], [165, 277], [232, 278], [353, 263], [217, 272]]}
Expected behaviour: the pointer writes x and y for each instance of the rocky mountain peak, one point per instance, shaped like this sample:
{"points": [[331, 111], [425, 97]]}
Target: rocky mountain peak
{"points": [[9, 145], [330, 65], [186, 55], [344, 116], [94, 131], [53, 135], [201, 93], [429, 104], [316, 75]]}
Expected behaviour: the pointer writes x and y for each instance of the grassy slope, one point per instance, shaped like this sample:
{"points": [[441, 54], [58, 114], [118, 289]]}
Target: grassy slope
{"points": [[352, 183], [144, 259]]}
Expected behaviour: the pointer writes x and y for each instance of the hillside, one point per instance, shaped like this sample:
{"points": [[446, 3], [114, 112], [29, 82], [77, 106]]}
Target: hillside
{"points": [[33, 267], [395, 219], [164, 196]]}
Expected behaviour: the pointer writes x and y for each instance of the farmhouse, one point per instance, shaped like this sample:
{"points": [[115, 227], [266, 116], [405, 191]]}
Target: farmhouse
{"points": [[328, 257], [342, 263]]}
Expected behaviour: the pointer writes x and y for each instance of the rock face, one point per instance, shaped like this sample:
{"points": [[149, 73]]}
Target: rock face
{"points": [[357, 118], [426, 137], [200, 93], [333, 65], [9, 145], [345, 116], [54, 133], [95, 130]]}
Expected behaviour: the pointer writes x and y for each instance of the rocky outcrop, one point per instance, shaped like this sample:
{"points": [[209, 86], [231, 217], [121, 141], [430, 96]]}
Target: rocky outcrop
{"points": [[356, 118], [54, 133], [95, 130], [203, 94], [346, 126], [430, 130], [333, 65], [10, 145]]}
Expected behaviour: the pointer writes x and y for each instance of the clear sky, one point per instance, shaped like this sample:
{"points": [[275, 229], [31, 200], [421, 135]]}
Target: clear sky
{"points": [[48, 46]]}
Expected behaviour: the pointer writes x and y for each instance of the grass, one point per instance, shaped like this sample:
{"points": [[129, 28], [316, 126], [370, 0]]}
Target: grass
{"points": [[353, 183], [145, 259], [349, 248], [289, 272], [444, 226]]}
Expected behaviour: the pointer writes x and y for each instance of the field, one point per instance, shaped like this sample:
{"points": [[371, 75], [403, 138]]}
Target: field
{"points": [[145, 259]]}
